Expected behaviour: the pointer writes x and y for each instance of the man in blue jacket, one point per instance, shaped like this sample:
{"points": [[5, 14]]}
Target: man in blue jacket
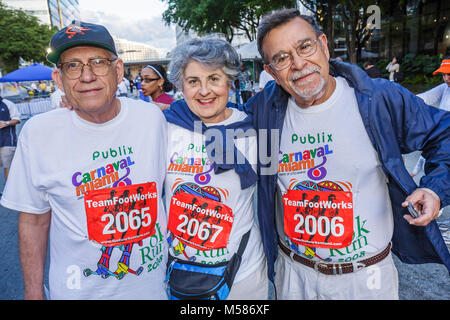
{"points": [[333, 191]]}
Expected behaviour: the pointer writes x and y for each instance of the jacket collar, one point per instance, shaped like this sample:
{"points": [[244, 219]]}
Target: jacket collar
{"points": [[355, 76]]}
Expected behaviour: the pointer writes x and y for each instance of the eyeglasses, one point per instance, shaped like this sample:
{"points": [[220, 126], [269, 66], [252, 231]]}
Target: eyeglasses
{"points": [[74, 69], [284, 60], [149, 80]]}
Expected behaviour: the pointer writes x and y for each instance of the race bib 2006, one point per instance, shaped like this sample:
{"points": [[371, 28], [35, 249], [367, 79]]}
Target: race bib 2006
{"points": [[121, 215], [199, 222], [321, 219]]}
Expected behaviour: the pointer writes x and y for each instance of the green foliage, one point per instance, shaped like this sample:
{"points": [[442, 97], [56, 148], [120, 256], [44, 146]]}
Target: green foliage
{"points": [[22, 36], [227, 17], [420, 64], [418, 70]]}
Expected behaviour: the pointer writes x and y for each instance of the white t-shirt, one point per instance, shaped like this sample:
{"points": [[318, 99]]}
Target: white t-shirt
{"points": [[438, 97], [392, 69], [189, 171], [122, 87], [341, 211], [56, 98], [61, 161], [14, 113], [264, 77]]}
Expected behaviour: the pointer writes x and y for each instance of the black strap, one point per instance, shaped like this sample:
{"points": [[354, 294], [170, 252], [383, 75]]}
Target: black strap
{"points": [[243, 244]]}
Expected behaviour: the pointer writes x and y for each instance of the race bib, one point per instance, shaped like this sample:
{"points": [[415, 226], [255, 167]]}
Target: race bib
{"points": [[199, 222], [321, 219], [121, 215]]}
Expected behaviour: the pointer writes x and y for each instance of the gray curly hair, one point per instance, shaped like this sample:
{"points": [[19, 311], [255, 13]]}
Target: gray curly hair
{"points": [[212, 52]]}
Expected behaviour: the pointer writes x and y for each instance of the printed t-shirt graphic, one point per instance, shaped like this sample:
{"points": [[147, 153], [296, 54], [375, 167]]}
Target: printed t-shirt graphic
{"points": [[198, 221], [333, 193], [77, 171], [319, 218], [121, 215], [209, 213]]}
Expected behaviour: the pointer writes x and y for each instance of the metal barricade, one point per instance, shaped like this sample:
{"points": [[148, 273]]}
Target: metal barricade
{"points": [[34, 107]]}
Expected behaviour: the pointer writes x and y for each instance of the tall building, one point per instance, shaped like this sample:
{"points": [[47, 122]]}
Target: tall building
{"points": [[136, 55], [130, 51], [58, 13]]}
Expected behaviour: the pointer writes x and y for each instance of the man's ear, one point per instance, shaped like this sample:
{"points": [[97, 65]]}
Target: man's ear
{"points": [[120, 70], [56, 76], [324, 44]]}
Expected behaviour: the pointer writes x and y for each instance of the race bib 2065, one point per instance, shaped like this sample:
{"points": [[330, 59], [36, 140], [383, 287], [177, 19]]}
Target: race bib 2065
{"points": [[121, 215], [321, 219], [199, 222]]}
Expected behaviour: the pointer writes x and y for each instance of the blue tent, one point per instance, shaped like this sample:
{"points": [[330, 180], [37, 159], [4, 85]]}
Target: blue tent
{"points": [[34, 72]]}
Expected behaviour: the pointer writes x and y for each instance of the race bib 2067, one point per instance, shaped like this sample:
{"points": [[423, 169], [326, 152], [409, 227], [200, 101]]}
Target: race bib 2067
{"points": [[121, 215], [199, 222], [321, 219]]}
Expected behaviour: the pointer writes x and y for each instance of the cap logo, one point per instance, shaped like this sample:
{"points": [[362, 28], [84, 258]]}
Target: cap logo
{"points": [[72, 30]]}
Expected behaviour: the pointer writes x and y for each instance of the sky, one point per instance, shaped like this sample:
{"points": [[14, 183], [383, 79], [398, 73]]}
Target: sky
{"points": [[133, 20]]}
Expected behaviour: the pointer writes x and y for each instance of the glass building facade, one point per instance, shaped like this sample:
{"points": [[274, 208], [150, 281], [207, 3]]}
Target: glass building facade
{"points": [[62, 12], [58, 13]]}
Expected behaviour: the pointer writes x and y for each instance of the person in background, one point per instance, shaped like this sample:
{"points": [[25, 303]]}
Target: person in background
{"points": [[56, 98], [393, 67], [131, 85], [122, 89], [154, 84], [264, 77], [9, 118], [204, 69], [371, 70], [439, 97], [245, 86]]}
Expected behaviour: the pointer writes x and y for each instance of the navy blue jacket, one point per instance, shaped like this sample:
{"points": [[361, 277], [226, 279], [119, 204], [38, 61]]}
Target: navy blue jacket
{"points": [[8, 137], [397, 123]]}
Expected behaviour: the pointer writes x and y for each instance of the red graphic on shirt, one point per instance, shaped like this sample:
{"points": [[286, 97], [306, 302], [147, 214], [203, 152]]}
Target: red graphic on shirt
{"points": [[121, 215], [321, 219], [200, 222]]}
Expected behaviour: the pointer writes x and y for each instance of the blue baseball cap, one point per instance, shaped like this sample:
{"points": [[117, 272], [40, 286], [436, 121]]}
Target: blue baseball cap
{"points": [[80, 33]]}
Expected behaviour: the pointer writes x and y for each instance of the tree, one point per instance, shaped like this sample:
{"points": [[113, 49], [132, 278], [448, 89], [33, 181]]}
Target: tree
{"points": [[229, 17], [354, 16], [22, 36]]}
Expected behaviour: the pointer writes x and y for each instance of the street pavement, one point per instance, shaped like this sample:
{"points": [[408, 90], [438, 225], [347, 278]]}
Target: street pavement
{"points": [[416, 282]]}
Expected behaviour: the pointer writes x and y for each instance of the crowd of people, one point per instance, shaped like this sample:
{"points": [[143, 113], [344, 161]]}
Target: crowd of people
{"points": [[192, 198]]}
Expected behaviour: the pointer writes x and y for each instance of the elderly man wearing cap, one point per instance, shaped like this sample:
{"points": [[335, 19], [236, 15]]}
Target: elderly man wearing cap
{"points": [[439, 97], [90, 181]]}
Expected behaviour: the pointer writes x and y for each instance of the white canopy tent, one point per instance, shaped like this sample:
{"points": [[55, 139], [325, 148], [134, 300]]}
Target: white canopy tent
{"points": [[249, 51]]}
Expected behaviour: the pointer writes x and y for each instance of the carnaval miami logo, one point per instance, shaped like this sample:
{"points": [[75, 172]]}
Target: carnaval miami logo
{"points": [[311, 159], [115, 172]]}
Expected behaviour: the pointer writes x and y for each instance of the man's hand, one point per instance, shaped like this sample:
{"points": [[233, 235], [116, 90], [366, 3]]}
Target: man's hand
{"points": [[3, 124], [425, 203]]}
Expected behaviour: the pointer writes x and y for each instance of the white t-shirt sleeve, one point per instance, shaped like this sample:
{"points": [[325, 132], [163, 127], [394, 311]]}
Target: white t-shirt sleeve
{"points": [[433, 96], [264, 78], [13, 111], [21, 192]]}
